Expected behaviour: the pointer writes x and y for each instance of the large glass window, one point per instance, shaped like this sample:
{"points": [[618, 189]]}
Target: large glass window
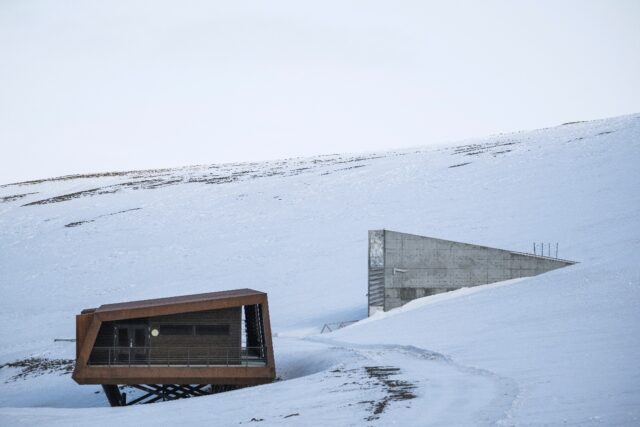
{"points": [[212, 330], [123, 337], [176, 330]]}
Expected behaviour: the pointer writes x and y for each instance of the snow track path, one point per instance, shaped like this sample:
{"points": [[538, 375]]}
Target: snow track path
{"points": [[447, 393]]}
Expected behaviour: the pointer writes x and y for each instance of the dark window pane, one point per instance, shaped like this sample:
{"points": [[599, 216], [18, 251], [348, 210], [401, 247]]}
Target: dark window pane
{"points": [[140, 337], [176, 330], [212, 329], [123, 337]]}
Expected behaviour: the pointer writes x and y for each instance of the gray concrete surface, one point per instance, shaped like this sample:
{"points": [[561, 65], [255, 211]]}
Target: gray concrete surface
{"points": [[403, 267]]}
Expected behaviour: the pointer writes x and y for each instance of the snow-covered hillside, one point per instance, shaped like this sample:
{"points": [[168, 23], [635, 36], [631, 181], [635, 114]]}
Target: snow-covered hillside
{"points": [[561, 348]]}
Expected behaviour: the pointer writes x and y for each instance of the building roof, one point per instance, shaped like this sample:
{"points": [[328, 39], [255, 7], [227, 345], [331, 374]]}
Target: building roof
{"points": [[161, 302], [178, 304]]}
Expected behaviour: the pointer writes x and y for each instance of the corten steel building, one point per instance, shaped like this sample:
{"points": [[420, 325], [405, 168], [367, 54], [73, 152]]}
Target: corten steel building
{"points": [[176, 347], [403, 267]]}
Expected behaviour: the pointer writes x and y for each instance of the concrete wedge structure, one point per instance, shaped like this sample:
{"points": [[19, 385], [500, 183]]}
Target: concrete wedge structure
{"points": [[403, 267]]}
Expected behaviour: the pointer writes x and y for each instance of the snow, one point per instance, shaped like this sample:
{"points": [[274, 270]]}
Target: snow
{"points": [[556, 349]]}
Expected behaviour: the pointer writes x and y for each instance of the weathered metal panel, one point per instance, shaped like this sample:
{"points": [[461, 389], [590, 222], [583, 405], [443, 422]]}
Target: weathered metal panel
{"points": [[176, 375], [82, 326], [129, 312]]}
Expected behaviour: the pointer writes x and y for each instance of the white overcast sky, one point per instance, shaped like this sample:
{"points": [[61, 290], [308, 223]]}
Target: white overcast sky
{"points": [[94, 85]]}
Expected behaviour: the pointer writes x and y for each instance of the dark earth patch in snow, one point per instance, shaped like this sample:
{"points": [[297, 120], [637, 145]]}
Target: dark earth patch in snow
{"points": [[371, 377], [36, 366], [397, 390], [86, 176], [213, 179], [460, 164], [291, 415], [15, 197], [350, 167], [215, 174], [156, 178], [77, 223], [580, 138], [342, 169], [145, 184], [477, 149], [71, 196], [358, 159], [501, 152]]}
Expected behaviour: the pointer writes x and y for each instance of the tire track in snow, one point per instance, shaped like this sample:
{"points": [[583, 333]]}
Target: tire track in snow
{"points": [[448, 393]]}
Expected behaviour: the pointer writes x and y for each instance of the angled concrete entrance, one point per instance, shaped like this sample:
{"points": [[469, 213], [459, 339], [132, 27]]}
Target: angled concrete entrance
{"points": [[403, 267]]}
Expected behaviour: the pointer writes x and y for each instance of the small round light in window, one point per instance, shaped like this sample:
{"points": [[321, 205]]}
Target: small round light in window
{"points": [[155, 332]]}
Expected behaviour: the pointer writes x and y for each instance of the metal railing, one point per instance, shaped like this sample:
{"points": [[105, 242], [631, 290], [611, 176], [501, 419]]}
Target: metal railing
{"points": [[178, 356], [330, 327]]}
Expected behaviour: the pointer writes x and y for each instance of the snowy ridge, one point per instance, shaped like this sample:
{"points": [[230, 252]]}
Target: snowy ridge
{"points": [[556, 349]]}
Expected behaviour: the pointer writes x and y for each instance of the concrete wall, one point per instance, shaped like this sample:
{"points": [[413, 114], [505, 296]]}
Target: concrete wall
{"points": [[403, 267]]}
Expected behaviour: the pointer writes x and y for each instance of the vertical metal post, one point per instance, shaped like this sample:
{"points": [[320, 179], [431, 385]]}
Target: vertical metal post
{"points": [[534, 248], [556, 249], [549, 250]]}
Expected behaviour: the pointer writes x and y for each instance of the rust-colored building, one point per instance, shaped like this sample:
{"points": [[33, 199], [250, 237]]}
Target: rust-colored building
{"points": [[176, 347]]}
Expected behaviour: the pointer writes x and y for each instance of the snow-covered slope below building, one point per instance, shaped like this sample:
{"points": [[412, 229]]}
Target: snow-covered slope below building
{"points": [[556, 349]]}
